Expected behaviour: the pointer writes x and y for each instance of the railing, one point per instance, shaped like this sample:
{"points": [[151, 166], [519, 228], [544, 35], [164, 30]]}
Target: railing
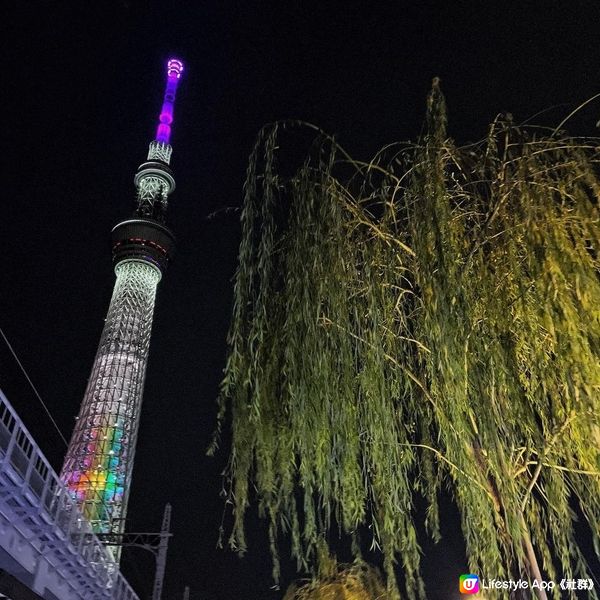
{"points": [[36, 494]]}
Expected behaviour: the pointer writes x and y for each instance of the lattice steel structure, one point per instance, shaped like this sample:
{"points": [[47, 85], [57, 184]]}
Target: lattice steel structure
{"points": [[99, 461]]}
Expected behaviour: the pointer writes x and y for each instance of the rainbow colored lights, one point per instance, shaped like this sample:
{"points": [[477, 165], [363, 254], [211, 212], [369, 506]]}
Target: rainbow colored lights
{"points": [[98, 484], [174, 71]]}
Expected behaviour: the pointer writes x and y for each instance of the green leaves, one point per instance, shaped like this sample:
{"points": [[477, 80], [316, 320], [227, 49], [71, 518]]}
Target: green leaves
{"points": [[429, 318], [358, 581]]}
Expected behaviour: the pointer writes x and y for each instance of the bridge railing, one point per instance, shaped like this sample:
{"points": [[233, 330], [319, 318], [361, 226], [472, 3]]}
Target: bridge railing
{"points": [[46, 505]]}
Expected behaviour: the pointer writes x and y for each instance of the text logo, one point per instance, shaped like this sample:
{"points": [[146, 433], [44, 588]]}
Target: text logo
{"points": [[468, 584]]}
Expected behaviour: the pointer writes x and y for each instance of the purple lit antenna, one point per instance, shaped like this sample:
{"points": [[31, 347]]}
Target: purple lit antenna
{"points": [[174, 71]]}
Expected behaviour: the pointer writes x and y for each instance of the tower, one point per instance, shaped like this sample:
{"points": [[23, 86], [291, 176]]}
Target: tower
{"points": [[99, 461]]}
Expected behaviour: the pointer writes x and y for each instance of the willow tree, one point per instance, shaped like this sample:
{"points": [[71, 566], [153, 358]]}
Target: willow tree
{"points": [[427, 321]]}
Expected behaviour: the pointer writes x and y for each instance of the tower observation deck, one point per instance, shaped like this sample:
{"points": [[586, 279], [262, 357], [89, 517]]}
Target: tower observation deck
{"points": [[99, 461]]}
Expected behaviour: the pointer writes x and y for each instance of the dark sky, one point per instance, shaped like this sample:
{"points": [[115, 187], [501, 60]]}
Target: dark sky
{"points": [[82, 88]]}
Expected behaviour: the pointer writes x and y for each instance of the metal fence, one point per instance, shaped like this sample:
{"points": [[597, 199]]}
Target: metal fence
{"points": [[34, 492]]}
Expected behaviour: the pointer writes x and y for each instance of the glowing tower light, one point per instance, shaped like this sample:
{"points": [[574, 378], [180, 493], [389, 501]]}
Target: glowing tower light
{"points": [[174, 71], [99, 461]]}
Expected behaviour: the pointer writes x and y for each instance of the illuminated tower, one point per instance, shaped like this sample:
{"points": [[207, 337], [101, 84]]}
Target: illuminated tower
{"points": [[99, 461]]}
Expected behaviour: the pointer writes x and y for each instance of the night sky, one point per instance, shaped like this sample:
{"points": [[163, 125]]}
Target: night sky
{"points": [[83, 84]]}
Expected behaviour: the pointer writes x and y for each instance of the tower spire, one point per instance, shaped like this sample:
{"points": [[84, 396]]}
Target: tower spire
{"points": [[154, 180], [174, 71], [99, 461]]}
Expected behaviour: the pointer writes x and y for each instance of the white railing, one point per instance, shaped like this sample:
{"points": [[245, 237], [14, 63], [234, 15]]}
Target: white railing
{"points": [[48, 519]]}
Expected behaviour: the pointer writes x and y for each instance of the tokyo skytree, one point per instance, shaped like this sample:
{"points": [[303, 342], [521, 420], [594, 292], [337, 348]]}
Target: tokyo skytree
{"points": [[99, 461]]}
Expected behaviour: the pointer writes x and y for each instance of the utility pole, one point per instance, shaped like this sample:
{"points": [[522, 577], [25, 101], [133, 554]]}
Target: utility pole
{"points": [[161, 556], [157, 543]]}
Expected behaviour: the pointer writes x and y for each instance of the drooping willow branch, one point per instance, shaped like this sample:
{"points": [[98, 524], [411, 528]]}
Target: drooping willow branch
{"points": [[427, 320]]}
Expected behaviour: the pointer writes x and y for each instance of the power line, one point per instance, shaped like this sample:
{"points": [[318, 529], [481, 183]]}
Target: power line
{"points": [[62, 437]]}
